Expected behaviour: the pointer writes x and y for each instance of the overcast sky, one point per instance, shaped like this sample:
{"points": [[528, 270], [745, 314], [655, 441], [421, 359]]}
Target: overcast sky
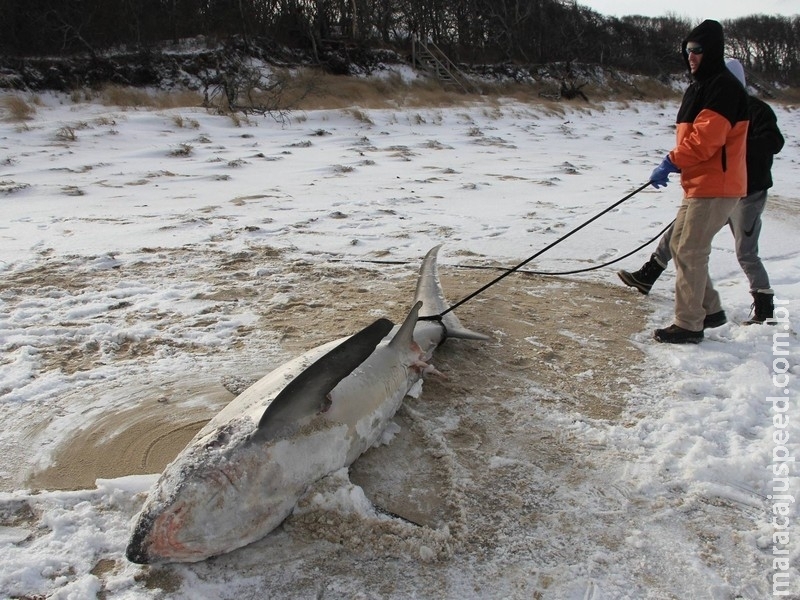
{"points": [[695, 10]]}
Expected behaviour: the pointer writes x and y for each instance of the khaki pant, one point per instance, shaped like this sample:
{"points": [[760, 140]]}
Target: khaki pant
{"points": [[698, 221], [745, 224]]}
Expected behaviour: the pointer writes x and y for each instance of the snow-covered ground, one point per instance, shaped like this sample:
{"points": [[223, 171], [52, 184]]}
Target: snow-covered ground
{"points": [[153, 261]]}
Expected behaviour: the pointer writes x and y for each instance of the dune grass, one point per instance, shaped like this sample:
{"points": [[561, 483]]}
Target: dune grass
{"points": [[130, 97], [17, 108], [312, 89]]}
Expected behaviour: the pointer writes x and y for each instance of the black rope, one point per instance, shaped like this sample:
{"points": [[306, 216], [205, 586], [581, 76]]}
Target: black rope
{"points": [[539, 253], [574, 271]]}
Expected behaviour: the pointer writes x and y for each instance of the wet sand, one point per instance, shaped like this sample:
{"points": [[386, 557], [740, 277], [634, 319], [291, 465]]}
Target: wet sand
{"points": [[569, 336]]}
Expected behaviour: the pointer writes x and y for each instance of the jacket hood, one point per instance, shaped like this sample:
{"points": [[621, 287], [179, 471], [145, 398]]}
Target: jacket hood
{"points": [[735, 67], [710, 36]]}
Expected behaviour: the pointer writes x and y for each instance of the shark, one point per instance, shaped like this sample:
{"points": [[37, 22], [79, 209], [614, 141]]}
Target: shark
{"points": [[242, 474]]}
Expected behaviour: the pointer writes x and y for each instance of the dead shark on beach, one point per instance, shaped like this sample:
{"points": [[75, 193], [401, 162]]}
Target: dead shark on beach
{"points": [[244, 471]]}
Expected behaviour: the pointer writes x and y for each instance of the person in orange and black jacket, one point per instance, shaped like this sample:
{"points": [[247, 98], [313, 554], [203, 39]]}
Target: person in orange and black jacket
{"points": [[710, 157], [764, 141]]}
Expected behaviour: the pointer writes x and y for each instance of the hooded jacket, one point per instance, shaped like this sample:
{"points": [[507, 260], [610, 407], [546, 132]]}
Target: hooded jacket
{"points": [[764, 139], [712, 123]]}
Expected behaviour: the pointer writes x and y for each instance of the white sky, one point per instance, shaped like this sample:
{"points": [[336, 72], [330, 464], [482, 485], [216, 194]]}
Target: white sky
{"points": [[693, 9]]}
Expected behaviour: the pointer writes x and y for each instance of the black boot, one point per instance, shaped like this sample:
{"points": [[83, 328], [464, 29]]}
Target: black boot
{"points": [[677, 335], [644, 278], [717, 319], [763, 308]]}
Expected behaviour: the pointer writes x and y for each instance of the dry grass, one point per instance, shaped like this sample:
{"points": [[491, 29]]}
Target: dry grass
{"points": [[789, 97], [184, 122], [332, 91], [105, 121], [67, 133], [313, 89], [360, 116], [335, 91], [129, 97], [239, 119], [17, 108], [647, 89], [183, 150]]}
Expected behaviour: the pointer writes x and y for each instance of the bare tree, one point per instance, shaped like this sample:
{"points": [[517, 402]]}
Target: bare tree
{"points": [[514, 31]]}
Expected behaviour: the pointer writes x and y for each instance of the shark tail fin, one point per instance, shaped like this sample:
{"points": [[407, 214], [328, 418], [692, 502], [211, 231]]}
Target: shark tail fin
{"points": [[430, 292]]}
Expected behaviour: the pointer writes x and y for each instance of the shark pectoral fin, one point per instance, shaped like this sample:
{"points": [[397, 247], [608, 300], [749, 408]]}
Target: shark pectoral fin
{"points": [[305, 396]]}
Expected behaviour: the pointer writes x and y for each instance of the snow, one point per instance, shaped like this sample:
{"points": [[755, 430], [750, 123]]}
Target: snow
{"points": [[673, 498]]}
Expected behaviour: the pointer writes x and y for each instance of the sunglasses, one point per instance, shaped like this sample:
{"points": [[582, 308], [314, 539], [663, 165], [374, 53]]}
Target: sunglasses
{"points": [[694, 50]]}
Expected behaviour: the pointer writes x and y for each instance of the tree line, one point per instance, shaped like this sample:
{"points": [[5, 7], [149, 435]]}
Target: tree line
{"points": [[469, 31]]}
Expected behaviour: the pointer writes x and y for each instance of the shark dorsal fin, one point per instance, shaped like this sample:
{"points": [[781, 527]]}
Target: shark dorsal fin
{"points": [[405, 335], [304, 396]]}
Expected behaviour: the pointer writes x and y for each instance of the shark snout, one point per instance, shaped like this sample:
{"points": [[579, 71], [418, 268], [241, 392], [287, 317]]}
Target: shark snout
{"points": [[136, 552]]}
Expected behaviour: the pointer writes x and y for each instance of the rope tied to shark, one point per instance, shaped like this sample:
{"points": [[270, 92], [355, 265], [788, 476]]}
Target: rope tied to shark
{"points": [[537, 254]]}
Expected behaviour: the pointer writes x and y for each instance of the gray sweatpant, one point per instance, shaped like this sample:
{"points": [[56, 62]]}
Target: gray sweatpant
{"points": [[745, 224]]}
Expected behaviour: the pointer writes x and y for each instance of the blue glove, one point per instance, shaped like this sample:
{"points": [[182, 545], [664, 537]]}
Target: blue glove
{"points": [[660, 176]]}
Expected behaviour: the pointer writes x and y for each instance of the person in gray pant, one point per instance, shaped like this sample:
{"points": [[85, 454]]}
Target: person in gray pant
{"points": [[764, 140]]}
